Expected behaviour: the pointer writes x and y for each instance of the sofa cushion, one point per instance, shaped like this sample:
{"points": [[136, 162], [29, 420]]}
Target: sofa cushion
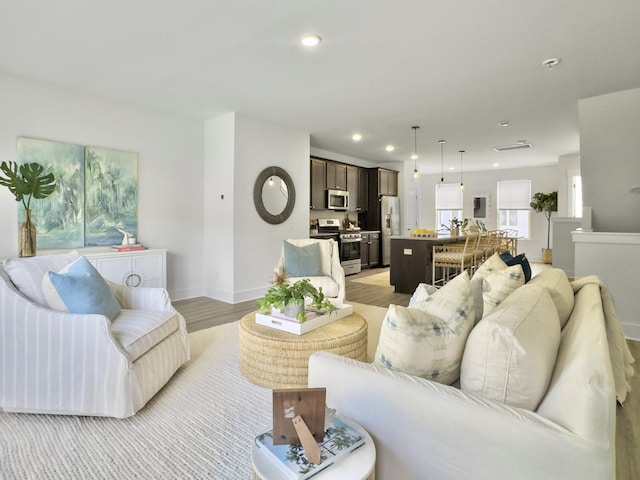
{"points": [[556, 281], [510, 354], [138, 331], [428, 341], [27, 273], [79, 288], [302, 261]]}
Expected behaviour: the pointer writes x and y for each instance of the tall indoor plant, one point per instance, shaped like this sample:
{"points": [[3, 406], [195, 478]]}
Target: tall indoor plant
{"points": [[26, 182], [547, 203]]}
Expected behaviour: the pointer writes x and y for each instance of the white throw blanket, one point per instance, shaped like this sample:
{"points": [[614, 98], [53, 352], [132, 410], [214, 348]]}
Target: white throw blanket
{"points": [[621, 358]]}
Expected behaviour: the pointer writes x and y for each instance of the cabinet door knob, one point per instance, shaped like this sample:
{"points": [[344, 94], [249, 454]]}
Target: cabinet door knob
{"points": [[133, 280]]}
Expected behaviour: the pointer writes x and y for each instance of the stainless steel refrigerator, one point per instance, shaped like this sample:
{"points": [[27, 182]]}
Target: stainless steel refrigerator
{"points": [[389, 223]]}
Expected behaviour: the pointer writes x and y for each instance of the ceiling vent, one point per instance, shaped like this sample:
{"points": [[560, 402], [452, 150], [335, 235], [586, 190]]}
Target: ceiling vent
{"points": [[515, 146]]}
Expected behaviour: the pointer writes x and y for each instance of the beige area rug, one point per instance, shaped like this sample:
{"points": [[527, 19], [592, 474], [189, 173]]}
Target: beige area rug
{"points": [[381, 279], [201, 425]]}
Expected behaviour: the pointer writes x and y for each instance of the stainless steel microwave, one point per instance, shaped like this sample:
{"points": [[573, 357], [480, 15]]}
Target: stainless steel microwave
{"points": [[337, 200]]}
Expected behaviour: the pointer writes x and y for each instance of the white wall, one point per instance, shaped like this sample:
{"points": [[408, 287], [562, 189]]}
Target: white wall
{"points": [[615, 258], [543, 179], [609, 146], [170, 149], [241, 249]]}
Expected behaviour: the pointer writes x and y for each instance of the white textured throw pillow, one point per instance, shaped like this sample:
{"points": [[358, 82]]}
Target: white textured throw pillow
{"points": [[499, 281], [428, 341], [27, 273], [422, 292], [510, 355], [557, 282]]}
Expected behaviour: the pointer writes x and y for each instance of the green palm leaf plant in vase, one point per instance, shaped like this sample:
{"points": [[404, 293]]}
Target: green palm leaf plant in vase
{"points": [[26, 182], [289, 298]]}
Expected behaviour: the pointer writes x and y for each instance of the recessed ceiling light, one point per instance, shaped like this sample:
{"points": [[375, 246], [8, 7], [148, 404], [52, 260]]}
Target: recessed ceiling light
{"points": [[389, 148], [311, 40], [356, 137], [496, 165], [551, 62], [504, 123], [452, 168]]}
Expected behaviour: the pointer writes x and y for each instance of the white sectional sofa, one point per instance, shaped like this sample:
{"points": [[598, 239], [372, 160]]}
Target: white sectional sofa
{"points": [[427, 430]]}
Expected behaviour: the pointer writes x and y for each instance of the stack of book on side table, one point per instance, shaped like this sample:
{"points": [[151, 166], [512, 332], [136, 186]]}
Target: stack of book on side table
{"points": [[339, 440], [314, 319]]}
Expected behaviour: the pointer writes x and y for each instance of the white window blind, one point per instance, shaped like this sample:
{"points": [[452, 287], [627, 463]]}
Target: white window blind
{"points": [[514, 194], [448, 196]]}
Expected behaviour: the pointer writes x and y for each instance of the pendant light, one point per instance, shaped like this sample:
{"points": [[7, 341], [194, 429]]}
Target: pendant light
{"points": [[442, 142], [461, 184], [414, 157]]}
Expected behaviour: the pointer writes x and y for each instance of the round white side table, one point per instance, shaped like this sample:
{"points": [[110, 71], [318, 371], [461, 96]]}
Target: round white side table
{"points": [[357, 465]]}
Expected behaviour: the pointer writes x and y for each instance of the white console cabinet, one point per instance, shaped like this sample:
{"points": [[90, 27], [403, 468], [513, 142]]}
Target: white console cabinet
{"points": [[144, 268]]}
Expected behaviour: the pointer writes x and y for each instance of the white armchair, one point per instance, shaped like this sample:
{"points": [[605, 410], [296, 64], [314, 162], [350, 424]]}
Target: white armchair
{"points": [[332, 281], [79, 364]]}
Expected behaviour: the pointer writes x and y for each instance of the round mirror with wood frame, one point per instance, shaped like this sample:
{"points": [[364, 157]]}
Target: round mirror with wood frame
{"points": [[266, 180]]}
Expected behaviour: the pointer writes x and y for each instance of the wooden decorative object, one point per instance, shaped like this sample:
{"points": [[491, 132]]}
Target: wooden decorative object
{"points": [[308, 403], [309, 444]]}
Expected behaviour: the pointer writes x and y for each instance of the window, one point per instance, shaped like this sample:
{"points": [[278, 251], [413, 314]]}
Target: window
{"points": [[448, 203], [514, 197]]}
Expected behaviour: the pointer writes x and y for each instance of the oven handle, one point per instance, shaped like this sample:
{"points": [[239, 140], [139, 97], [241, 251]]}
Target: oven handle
{"points": [[351, 240]]}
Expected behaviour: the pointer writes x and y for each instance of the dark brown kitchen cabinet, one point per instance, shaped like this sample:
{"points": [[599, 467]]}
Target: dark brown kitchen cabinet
{"points": [[382, 182], [363, 189], [336, 176], [352, 188], [318, 184], [370, 249], [388, 182]]}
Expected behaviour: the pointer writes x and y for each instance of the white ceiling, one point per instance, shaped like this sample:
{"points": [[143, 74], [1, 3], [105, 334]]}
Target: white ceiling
{"points": [[454, 67]]}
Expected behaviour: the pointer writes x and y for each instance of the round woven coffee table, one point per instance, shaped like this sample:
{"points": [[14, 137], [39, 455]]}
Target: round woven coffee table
{"points": [[275, 359]]}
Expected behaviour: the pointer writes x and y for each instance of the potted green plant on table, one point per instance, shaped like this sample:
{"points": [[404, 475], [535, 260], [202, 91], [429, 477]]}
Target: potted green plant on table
{"points": [[26, 182], [289, 298], [547, 203], [456, 225]]}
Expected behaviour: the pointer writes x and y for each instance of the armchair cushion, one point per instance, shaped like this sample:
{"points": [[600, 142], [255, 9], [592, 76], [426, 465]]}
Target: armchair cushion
{"points": [[302, 261], [79, 288], [138, 331], [27, 273]]}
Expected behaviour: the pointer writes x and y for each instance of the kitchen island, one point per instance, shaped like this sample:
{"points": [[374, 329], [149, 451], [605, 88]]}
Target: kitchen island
{"points": [[411, 260]]}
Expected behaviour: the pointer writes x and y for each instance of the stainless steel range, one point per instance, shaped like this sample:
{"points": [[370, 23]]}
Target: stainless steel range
{"points": [[348, 242]]}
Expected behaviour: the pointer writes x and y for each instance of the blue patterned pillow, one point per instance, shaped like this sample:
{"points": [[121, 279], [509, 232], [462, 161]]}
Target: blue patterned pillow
{"points": [[428, 341], [302, 261], [80, 288]]}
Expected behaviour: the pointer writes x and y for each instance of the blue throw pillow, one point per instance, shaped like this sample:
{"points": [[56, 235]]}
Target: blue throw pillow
{"points": [[521, 259], [80, 288], [302, 261]]}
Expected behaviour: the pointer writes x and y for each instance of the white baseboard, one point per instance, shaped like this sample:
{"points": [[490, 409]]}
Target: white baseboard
{"points": [[631, 331], [185, 293]]}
